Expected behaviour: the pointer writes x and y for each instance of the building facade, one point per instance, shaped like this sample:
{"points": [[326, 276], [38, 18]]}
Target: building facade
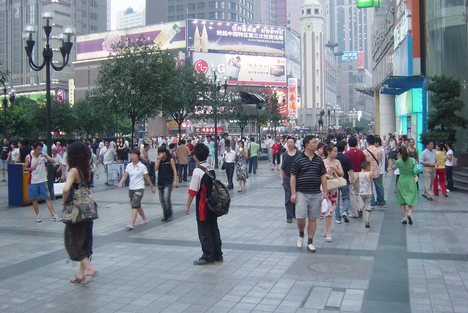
{"points": [[84, 16], [160, 11], [130, 18]]}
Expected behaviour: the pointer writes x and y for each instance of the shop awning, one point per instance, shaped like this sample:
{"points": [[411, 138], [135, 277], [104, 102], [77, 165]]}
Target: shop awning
{"points": [[396, 85]]}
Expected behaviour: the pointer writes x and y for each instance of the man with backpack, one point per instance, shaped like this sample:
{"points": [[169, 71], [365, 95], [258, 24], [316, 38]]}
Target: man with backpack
{"points": [[201, 186]]}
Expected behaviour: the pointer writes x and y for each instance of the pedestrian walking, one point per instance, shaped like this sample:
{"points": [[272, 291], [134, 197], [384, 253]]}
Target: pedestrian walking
{"points": [[5, 157], [365, 190], [207, 222], [183, 153], [449, 163], [138, 174], [241, 166], [107, 156], [252, 150], [167, 179], [357, 157], [78, 237], [229, 163], [374, 157], [348, 174], [285, 176], [276, 154], [439, 178], [428, 160], [37, 189], [334, 170], [407, 193], [308, 175]]}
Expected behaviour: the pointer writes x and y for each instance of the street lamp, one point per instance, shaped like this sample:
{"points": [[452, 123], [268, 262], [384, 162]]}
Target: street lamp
{"points": [[5, 102], [48, 54], [216, 87]]}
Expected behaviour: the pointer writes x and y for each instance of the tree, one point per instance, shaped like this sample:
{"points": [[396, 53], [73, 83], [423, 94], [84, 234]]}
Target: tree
{"points": [[93, 115], [272, 109], [236, 112], [137, 80], [442, 118], [20, 118], [189, 88]]}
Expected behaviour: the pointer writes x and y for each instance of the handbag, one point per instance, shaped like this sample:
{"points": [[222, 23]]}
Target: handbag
{"points": [[417, 167], [79, 205], [336, 182], [324, 206], [223, 167]]}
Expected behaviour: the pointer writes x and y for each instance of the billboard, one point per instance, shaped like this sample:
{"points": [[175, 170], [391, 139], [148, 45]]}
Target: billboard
{"points": [[100, 45], [246, 70], [293, 47], [292, 98], [227, 37], [349, 56]]}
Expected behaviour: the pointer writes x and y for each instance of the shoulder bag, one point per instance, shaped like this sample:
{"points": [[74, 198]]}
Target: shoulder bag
{"points": [[336, 182], [417, 167], [373, 156], [79, 205]]}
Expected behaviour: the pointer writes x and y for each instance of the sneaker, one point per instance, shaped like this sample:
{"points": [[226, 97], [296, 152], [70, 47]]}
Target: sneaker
{"points": [[345, 218], [367, 225], [430, 199], [403, 221], [38, 218], [424, 195], [445, 195], [328, 239], [289, 220], [56, 218], [383, 206], [299, 242], [311, 247], [353, 216], [337, 221], [410, 220]]}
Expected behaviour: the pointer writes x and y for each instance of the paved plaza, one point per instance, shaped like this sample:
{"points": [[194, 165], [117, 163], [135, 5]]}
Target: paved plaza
{"points": [[390, 267]]}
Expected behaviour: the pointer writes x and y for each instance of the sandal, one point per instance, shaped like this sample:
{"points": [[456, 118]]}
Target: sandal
{"points": [[89, 278], [76, 280]]}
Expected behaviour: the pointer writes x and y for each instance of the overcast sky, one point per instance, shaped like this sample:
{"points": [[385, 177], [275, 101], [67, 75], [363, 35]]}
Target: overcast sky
{"points": [[120, 5]]}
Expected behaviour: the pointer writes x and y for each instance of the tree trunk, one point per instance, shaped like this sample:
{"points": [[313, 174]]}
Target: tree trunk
{"points": [[242, 131], [179, 124], [133, 132]]}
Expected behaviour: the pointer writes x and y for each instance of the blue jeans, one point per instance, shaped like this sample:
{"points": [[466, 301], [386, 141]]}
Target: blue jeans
{"points": [[344, 191], [379, 190], [253, 164]]}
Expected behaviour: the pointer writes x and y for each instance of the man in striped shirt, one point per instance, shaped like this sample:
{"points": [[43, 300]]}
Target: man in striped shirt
{"points": [[308, 174]]}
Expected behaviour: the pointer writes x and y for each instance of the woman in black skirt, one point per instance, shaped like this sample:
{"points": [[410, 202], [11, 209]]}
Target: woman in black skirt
{"points": [[79, 236]]}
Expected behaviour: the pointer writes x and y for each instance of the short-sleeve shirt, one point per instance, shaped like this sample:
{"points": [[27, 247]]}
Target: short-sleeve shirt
{"points": [[449, 162], [308, 173], [288, 161], [357, 157], [165, 173], [365, 184], [5, 151], [346, 164], [428, 156], [253, 149], [200, 187], [137, 175]]}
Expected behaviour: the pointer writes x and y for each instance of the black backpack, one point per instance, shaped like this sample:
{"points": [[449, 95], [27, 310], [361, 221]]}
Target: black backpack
{"points": [[219, 200]]}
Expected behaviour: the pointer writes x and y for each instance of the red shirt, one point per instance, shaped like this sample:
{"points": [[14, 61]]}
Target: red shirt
{"points": [[191, 147], [275, 148], [357, 157]]}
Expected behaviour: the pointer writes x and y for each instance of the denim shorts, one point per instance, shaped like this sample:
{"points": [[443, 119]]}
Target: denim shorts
{"points": [[38, 191], [135, 197], [308, 205]]}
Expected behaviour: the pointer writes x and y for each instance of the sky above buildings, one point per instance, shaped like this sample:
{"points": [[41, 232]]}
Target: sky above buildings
{"points": [[120, 5]]}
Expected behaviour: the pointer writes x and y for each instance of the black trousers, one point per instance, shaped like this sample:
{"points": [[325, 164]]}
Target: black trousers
{"points": [[230, 173], [210, 239], [182, 172], [290, 207], [448, 175]]}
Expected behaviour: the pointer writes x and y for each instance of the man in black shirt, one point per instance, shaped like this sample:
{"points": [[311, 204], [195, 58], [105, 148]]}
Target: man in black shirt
{"points": [[308, 173], [4, 157], [288, 158], [347, 165]]}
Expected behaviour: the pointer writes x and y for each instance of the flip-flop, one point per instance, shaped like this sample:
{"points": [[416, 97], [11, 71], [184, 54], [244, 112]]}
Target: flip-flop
{"points": [[76, 280], [89, 278]]}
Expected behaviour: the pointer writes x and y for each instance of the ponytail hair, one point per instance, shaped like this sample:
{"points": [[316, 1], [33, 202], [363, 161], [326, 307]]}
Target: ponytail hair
{"points": [[403, 152]]}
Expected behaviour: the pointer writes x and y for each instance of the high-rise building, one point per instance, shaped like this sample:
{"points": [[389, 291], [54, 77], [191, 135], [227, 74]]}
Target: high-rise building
{"points": [[130, 18], [84, 16], [159, 11]]}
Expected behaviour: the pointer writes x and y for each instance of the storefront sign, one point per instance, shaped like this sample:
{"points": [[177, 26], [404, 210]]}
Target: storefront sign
{"points": [[292, 98], [227, 37], [243, 69], [349, 56], [208, 130], [101, 45]]}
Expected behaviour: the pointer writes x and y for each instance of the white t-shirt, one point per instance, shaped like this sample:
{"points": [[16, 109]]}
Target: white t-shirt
{"points": [[15, 155], [449, 162], [137, 175], [108, 155], [39, 175], [230, 157], [382, 161]]}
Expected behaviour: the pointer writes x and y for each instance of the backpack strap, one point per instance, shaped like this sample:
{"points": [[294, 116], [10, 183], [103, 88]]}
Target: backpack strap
{"points": [[207, 172]]}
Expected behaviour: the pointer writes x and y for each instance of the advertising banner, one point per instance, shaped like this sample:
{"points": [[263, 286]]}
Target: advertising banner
{"points": [[226, 37], [245, 70], [100, 45], [349, 56], [293, 47], [292, 98], [282, 97]]}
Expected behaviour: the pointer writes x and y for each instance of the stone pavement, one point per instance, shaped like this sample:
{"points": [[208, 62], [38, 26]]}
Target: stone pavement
{"points": [[390, 267]]}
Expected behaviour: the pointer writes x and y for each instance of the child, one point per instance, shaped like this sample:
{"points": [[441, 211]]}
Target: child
{"points": [[365, 190]]}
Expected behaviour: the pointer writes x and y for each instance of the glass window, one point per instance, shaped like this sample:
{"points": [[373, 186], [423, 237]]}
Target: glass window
{"points": [[180, 7], [201, 15], [212, 15], [309, 11], [171, 9], [212, 4], [200, 5], [191, 15], [191, 6]]}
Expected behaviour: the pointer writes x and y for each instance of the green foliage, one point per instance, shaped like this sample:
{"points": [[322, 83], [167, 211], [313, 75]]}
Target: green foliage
{"points": [[235, 111], [137, 81], [19, 121], [93, 117], [442, 118]]}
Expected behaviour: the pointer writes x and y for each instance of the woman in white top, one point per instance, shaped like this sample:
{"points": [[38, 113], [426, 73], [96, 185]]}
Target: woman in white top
{"points": [[138, 173], [15, 153], [449, 163]]}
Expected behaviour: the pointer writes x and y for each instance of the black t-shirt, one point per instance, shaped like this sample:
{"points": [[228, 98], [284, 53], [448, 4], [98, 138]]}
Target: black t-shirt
{"points": [[308, 173], [24, 151], [346, 164], [288, 161], [5, 150], [165, 173], [94, 147]]}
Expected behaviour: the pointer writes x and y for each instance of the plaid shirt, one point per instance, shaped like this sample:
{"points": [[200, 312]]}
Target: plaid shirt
{"points": [[374, 170]]}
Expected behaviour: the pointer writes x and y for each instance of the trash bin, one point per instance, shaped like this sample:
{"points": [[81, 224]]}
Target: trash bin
{"points": [[17, 185], [263, 154]]}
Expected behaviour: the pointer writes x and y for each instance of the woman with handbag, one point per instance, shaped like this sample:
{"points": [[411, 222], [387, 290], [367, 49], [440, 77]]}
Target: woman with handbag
{"points": [[79, 236], [334, 176]]}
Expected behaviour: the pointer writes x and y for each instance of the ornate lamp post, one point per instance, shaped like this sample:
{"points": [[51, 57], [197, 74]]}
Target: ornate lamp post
{"points": [[216, 87], [5, 102], [48, 54]]}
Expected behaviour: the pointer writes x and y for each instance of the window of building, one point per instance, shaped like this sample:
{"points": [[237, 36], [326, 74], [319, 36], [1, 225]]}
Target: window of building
{"points": [[171, 18], [179, 7], [316, 11], [201, 15], [200, 5], [212, 15], [191, 15], [171, 9], [212, 4], [84, 14], [232, 16], [232, 5], [191, 6], [180, 17], [309, 11]]}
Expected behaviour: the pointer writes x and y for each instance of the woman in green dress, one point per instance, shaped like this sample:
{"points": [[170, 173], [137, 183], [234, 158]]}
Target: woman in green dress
{"points": [[407, 193]]}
